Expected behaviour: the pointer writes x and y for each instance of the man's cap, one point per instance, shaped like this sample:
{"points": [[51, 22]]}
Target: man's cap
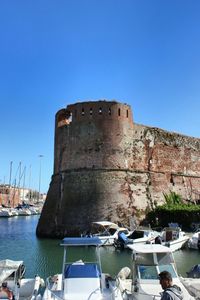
{"points": [[165, 275]]}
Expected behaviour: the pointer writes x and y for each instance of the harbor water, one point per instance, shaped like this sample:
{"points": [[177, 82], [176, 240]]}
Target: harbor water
{"points": [[18, 241]]}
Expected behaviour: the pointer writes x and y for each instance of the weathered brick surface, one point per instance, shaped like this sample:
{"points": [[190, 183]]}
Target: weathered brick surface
{"points": [[108, 168]]}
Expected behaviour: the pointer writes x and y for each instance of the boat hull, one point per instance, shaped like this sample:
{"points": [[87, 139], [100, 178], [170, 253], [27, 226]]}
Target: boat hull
{"points": [[177, 244]]}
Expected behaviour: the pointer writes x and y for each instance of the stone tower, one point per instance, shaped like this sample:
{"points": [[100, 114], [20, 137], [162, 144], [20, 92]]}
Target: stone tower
{"points": [[92, 155], [108, 168]]}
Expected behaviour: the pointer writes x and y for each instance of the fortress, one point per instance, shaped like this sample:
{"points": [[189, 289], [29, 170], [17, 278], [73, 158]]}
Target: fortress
{"points": [[106, 167]]}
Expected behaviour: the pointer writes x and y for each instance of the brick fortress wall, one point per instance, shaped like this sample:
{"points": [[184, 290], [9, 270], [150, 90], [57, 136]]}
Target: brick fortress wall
{"points": [[108, 168]]}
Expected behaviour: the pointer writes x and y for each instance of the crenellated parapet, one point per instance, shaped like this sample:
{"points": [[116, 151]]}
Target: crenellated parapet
{"points": [[94, 111]]}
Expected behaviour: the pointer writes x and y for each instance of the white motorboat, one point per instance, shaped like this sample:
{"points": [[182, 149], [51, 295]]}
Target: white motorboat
{"points": [[81, 280], [5, 212], [12, 272], [148, 261], [174, 238], [192, 282], [14, 212], [192, 285], [194, 241], [107, 232], [34, 210], [24, 212], [138, 236]]}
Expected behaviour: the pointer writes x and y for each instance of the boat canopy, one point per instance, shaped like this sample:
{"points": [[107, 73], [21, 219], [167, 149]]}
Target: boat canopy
{"points": [[106, 224], [81, 241], [7, 267], [149, 248]]}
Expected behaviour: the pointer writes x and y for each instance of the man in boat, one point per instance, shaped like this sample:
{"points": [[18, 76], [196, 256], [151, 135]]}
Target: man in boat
{"points": [[171, 292], [5, 293]]}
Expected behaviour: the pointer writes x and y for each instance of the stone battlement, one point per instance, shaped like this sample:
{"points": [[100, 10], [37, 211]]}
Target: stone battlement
{"points": [[101, 110]]}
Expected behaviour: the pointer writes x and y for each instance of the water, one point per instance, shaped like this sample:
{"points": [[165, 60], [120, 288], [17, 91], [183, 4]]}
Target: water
{"points": [[18, 241]]}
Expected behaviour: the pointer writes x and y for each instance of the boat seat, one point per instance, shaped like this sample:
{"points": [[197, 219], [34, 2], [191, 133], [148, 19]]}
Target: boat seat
{"points": [[82, 270], [81, 288], [82, 281]]}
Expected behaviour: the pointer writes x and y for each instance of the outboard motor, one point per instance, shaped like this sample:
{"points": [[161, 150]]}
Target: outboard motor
{"points": [[194, 272], [122, 241]]}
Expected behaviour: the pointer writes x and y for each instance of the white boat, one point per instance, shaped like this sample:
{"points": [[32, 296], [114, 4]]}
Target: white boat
{"points": [[107, 232], [138, 236], [24, 212], [33, 210], [14, 212], [5, 212], [148, 261], [192, 285], [12, 272], [81, 280], [174, 238], [192, 282], [194, 241]]}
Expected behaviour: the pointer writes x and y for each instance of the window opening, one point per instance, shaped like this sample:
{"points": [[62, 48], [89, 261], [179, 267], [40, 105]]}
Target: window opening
{"points": [[109, 111], [83, 112], [90, 111], [119, 112], [100, 111], [127, 113], [70, 117]]}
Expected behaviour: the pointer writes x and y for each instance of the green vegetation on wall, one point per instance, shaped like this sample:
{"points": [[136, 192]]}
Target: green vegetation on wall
{"points": [[174, 210]]}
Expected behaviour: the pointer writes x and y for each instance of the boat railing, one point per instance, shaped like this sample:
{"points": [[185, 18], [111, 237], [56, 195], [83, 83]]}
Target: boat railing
{"points": [[55, 294]]}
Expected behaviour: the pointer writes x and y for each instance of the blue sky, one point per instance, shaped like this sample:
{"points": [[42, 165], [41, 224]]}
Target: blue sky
{"points": [[56, 52]]}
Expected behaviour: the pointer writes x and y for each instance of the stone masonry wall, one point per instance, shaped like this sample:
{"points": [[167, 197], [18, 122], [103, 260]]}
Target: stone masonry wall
{"points": [[172, 162]]}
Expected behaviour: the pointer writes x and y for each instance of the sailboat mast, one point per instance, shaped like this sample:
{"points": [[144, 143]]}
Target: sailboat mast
{"points": [[20, 170], [19, 182], [10, 178], [29, 185], [24, 172]]}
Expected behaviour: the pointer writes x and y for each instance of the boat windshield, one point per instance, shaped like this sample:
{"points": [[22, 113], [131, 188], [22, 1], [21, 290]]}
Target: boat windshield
{"points": [[151, 272], [137, 234], [154, 258], [164, 258], [149, 265]]}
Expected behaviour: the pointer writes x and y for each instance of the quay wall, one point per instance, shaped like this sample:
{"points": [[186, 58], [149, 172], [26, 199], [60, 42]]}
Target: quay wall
{"points": [[106, 167]]}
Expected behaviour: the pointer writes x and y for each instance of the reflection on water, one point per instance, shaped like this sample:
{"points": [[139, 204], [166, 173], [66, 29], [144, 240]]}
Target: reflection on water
{"points": [[44, 256], [185, 259]]}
